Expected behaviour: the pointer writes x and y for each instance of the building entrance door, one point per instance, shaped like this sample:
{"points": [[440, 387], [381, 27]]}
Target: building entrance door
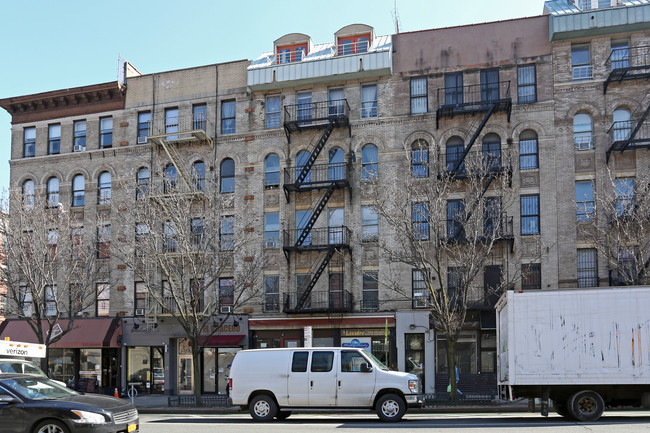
{"points": [[185, 374]]}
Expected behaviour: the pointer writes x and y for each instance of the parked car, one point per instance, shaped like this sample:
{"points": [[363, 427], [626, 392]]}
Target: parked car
{"points": [[34, 404], [17, 365]]}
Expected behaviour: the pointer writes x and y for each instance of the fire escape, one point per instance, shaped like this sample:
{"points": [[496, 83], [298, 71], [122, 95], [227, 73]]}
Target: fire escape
{"points": [[307, 176], [628, 63], [481, 102]]}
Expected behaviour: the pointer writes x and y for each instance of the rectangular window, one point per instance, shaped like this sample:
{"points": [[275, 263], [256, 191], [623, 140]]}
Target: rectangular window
{"points": [[370, 291], [26, 304], [585, 205], [144, 126], [531, 276], [587, 267], [420, 220], [197, 225], [530, 214], [170, 234], [103, 299], [226, 291], [624, 196], [526, 84], [52, 242], [50, 301], [455, 219], [335, 283], [299, 362], [368, 101], [620, 54], [580, 62], [322, 362], [29, 142], [140, 298], [77, 247], [227, 233], [303, 109], [454, 287], [370, 224], [272, 230], [104, 242], [528, 157], [228, 112], [273, 113], [302, 281], [490, 84], [336, 101], [454, 88], [302, 218], [105, 132], [419, 288], [171, 123], [54, 139], [271, 294], [419, 100], [200, 117], [626, 271]]}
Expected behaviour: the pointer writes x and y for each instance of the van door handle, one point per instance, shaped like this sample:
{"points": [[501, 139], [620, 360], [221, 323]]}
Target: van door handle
{"points": [[311, 383], [339, 383]]}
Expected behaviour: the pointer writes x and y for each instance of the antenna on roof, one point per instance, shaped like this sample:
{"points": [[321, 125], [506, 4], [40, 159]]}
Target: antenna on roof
{"points": [[396, 18]]}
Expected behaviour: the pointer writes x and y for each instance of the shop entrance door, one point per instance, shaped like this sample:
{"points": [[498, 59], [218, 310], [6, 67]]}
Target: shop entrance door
{"points": [[185, 374]]}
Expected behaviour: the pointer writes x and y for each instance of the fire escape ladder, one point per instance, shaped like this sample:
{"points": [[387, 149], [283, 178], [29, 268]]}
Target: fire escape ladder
{"points": [[304, 232], [304, 294], [314, 153], [175, 158], [474, 137]]}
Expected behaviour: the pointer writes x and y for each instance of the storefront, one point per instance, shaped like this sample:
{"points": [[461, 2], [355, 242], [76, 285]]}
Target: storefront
{"points": [[87, 358], [416, 347]]}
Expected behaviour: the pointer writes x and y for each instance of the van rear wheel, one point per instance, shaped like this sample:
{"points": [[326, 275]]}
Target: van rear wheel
{"points": [[263, 408], [586, 406], [390, 408]]}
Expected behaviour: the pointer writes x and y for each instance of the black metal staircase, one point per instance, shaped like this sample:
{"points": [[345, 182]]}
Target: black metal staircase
{"points": [[627, 63], [306, 230]]}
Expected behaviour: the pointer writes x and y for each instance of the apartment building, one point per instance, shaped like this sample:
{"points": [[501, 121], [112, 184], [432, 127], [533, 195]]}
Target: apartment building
{"points": [[297, 138]]}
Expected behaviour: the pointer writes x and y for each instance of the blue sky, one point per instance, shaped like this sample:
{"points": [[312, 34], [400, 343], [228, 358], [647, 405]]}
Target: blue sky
{"points": [[49, 45]]}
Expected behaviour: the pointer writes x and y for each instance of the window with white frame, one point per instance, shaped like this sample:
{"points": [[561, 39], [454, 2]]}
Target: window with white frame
{"points": [[78, 190], [368, 101], [80, 135], [581, 62], [369, 223], [140, 299], [104, 188], [419, 289], [144, 126], [272, 230], [105, 132], [227, 233], [582, 132], [228, 113], [53, 192], [54, 139], [369, 162], [272, 171], [585, 204], [273, 113], [103, 299], [419, 99], [29, 142]]}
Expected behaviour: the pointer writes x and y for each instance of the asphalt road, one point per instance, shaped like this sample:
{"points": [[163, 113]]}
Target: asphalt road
{"points": [[611, 422]]}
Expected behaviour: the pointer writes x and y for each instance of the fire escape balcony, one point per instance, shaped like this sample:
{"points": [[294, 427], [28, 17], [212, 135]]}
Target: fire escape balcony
{"points": [[488, 163], [318, 302], [477, 98], [629, 134], [316, 115], [319, 176], [626, 64], [165, 189], [182, 129], [319, 239], [494, 228]]}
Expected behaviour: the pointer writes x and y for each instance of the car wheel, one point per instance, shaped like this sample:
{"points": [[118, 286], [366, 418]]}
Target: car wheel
{"points": [[263, 408], [586, 406], [390, 408], [283, 414], [51, 426]]}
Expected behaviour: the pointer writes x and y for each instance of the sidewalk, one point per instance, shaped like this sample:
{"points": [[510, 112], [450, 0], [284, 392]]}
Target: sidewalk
{"points": [[160, 404]]}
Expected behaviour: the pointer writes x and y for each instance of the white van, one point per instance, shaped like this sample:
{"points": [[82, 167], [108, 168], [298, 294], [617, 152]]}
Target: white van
{"points": [[271, 383]]}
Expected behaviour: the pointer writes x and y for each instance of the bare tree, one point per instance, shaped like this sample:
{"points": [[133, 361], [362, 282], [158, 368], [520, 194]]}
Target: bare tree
{"points": [[194, 257], [52, 264], [446, 222], [616, 221]]}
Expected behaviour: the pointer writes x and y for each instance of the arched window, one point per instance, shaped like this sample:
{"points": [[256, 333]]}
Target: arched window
{"points": [[622, 126], [582, 132], [104, 190], [227, 176], [369, 162], [528, 154], [53, 192], [492, 151], [198, 176], [420, 158], [272, 171], [301, 161], [336, 164], [170, 178], [78, 190], [143, 183], [454, 152], [28, 193]]}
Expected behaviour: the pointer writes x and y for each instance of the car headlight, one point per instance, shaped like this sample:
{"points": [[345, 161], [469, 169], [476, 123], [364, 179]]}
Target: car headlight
{"points": [[413, 385], [89, 417]]}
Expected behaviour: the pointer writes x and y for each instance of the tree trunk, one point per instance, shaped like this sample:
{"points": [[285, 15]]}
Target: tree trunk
{"points": [[196, 377], [451, 368]]}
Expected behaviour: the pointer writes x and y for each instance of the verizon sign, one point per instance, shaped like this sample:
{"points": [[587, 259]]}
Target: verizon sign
{"points": [[17, 348]]}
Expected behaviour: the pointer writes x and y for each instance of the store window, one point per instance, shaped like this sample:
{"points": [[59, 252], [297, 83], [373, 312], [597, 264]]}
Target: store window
{"points": [[60, 365], [90, 370]]}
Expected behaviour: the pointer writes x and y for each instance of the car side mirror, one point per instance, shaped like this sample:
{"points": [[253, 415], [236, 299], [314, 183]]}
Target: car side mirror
{"points": [[8, 399], [365, 368]]}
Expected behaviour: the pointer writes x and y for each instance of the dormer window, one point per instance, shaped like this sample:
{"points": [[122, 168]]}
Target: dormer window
{"points": [[353, 44], [291, 53]]}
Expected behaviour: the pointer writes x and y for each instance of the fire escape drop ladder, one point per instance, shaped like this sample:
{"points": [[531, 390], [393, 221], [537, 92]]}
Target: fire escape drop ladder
{"points": [[474, 137], [314, 154], [304, 294], [306, 230]]}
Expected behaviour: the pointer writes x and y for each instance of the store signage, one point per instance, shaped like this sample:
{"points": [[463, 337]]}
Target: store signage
{"points": [[17, 348], [356, 343], [363, 332]]}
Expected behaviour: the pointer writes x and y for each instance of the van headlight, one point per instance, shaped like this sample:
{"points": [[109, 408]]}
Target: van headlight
{"points": [[413, 385], [89, 417]]}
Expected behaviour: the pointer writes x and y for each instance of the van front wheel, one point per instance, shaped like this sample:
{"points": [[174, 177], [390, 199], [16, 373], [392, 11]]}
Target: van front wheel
{"points": [[263, 408], [390, 408]]}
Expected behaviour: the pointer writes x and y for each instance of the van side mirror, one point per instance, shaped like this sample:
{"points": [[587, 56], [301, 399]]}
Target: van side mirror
{"points": [[365, 368], [8, 399]]}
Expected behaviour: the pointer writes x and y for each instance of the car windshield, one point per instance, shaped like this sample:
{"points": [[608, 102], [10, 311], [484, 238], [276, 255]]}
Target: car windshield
{"points": [[9, 366], [375, 360], [36, 388]]}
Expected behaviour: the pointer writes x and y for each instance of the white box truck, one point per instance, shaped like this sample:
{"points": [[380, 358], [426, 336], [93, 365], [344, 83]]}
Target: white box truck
{"points": [[585, 349], [271, 383]]}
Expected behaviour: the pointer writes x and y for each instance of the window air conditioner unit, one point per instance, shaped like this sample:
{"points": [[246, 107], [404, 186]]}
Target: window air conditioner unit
{"points": [[225, 309], [79, 148], [142, 140], [584, 145], [139, 311], [271, 244]]}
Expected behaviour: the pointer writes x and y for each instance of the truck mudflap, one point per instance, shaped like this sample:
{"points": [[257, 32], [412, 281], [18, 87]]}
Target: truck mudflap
{"points": [[414, 401]]}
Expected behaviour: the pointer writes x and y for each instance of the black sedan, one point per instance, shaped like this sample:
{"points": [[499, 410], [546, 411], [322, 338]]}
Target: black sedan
{"points": [[32, 404]]}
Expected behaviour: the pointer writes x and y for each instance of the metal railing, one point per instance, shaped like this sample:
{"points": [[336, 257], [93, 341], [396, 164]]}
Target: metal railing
{"points": [[178, 125], [476, 94], [581, 72], [308, 114], [629, 57], [329, 301], [320, 174], [493, 228], [317, 238], [621, 131], [176, 187]]}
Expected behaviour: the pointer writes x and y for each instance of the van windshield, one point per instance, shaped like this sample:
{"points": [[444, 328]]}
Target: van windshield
{"points": [[375, 361]]}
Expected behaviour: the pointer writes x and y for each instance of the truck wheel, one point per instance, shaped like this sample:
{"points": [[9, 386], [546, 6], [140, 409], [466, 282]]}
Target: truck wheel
{"points": [[263, 408], [283, 414], [390, 408], [586, 406]]}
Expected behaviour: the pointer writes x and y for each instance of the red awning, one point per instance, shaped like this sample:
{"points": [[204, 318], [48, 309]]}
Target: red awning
{"points": [[222, 340], [99, 332]]}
